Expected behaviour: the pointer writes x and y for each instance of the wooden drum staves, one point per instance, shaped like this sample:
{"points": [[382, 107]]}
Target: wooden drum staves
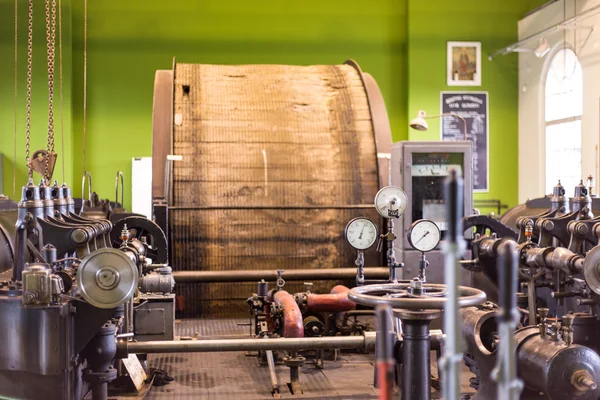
{"points": [[276, 159]]}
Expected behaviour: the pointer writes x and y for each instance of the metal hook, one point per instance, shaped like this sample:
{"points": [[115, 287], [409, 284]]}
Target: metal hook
{"points": [[89, 179], [119, 175]]}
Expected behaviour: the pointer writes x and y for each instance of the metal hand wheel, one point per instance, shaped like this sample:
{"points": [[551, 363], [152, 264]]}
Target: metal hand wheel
{"points": [[411, 296]]}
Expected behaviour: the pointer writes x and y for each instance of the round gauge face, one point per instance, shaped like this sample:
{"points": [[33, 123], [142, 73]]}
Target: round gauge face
{"points": [[391, 202], [424, 235], [361, 233]]}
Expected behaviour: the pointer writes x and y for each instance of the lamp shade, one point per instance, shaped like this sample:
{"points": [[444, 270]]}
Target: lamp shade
{"points": [[419, 123], [543, 48]]}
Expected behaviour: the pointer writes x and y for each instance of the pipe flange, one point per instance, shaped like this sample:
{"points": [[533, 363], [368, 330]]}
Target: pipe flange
{"points": [[424, 315], [99, 377], [297, 361]]}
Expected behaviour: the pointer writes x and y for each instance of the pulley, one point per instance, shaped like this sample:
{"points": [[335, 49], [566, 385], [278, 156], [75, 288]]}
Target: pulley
{"points": [[43, 162], [107, 278], [591, 269]]}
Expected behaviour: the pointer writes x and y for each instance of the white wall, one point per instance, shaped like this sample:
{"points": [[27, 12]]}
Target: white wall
{"points": [[532, 71]]}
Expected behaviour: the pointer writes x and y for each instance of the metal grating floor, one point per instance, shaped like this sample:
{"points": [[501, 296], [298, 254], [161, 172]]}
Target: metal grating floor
{"points": [[234, 375]]}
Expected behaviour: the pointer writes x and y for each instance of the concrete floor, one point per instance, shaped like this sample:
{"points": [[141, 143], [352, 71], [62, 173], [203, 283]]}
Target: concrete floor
{"points": [[236, 375]]}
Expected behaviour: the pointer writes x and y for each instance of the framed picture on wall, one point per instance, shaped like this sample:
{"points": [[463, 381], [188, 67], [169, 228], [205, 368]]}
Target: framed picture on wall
{"points": [[463, 64]]}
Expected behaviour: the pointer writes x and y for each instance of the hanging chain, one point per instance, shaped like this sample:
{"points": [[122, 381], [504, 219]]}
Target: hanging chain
{"points": [[16, 96], [51, 51], [28, 107], [60, 77], [84, 82]]}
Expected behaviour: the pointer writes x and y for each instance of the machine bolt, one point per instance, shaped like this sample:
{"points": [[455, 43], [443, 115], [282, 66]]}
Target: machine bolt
{"points": [[583, 381], [548, 225], [79, 235], [416, 283], [581, 228]]}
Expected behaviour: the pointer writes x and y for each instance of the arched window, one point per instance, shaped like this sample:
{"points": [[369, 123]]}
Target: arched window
{"points": [[564, 106]]}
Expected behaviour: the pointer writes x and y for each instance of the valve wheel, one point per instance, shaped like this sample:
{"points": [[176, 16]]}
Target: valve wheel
{"points": [[401, 295]]}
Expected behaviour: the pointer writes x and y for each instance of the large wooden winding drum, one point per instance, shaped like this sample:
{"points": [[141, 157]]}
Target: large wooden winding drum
{"points": [[276, 159]]}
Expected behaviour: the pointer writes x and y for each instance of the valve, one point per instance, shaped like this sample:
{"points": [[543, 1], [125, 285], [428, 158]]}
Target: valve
{"points": [[567, 330], [528, 231], [125, 233], [543, 318], [555, 334], [308, 286], [280, 282], [360, 268]]}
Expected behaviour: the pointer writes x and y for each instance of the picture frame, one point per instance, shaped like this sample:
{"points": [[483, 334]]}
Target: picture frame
{"points": [[463, 64]]}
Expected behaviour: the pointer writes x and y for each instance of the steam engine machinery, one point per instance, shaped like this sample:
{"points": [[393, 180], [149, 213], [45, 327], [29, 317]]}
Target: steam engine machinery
{"points": [[87, 292], [554, 311], [70, 286]]}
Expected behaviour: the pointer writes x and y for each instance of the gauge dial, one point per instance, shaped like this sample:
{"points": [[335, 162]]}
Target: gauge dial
{"points": [[391, 202], [424, 235], [361, 233]]}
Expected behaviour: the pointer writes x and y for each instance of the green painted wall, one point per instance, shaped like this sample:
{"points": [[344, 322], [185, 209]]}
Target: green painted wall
{"points": [[493, 23], [39, 108], [402, 43], [130, 40]]}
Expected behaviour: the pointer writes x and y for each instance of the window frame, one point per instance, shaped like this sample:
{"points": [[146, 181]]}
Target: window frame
{"points": [[542, 118]]}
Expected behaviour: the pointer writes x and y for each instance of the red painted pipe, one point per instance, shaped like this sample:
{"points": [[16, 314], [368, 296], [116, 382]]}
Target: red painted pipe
{"points": [[292, 317], [336, 301]]}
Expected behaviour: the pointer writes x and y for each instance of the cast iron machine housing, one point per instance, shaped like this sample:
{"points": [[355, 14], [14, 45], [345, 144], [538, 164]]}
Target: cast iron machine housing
{"points": [[66, 294], [556, 344]]}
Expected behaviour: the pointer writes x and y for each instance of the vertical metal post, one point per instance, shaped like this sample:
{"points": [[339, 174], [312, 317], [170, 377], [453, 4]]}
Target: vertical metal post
{"points": [[505, 371], [416, 370], [453, 246], [385, 362]]}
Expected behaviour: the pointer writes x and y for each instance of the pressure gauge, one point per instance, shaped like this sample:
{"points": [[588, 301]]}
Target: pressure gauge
{"points": [[424, 235], [361, 233], [391, 202]]}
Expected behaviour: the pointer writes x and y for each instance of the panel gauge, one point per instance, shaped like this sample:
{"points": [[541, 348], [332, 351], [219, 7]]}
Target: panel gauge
{"points": [[391, 202], [361, 233], [424, 235]]}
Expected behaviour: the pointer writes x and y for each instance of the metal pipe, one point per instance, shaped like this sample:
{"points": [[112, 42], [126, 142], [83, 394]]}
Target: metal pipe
{"points": [[416, 376], [554, 28], [453, 248], [384, 358], [299, 207], [118, 178], [272, 372], [336, 301], [505, 372], [289, 275], [100, 391], [366, 342], [293, 326]]}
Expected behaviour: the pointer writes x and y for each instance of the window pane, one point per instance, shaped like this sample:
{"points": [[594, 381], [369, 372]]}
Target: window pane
{"points": [[564, 97], [563, 155]]}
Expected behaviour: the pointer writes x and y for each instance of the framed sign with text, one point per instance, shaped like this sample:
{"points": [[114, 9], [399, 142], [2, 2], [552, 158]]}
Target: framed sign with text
{"points": [[473, 108]]}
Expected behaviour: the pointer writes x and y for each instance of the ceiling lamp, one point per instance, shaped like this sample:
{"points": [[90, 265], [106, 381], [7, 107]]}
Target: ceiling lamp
{"points": [[419, 123], [543, 48]]}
